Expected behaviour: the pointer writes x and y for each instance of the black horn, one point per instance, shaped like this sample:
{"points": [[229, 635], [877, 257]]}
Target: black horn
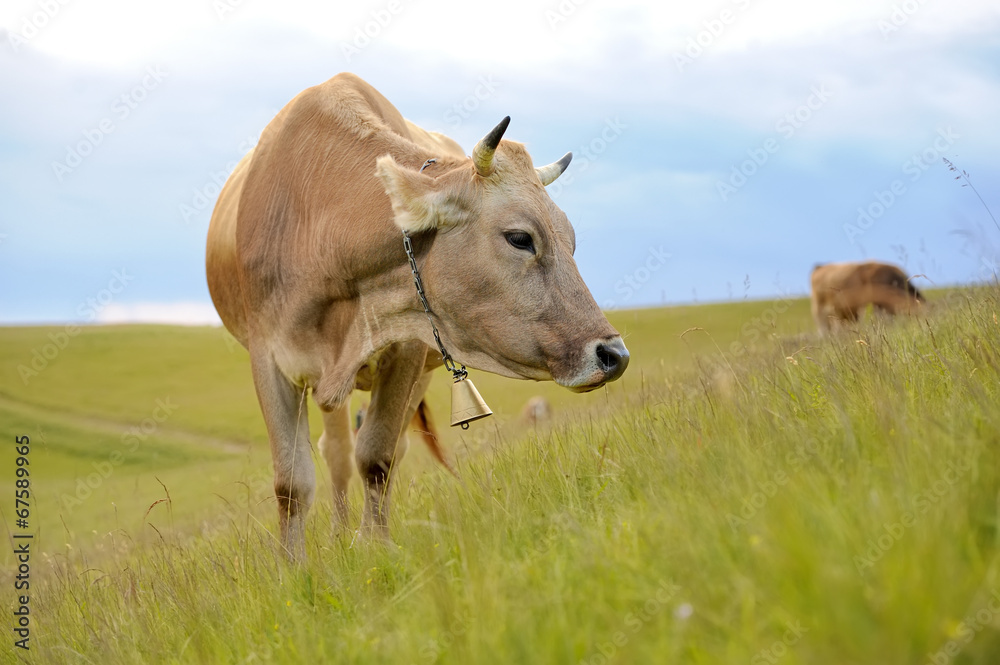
{"points": [[482, 154]]}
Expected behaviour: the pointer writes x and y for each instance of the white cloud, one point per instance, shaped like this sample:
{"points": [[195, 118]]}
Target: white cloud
{"points": [[176, 313], [524, 34]]}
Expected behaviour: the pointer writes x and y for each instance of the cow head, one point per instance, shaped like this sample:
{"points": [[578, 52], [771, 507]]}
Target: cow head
{"points": [[496, 258]]}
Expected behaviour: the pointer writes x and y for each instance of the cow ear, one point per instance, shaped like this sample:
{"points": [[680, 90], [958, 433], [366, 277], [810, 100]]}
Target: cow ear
{"points": [[418, 204]]}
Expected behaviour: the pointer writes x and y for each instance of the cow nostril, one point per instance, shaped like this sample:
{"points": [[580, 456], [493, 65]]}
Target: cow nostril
{"points": [[608, 357], [613, 359]]}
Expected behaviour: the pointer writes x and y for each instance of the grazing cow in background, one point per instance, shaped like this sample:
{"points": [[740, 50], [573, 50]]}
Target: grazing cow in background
{"points": [[537, 411], [306, 268], [841, 291]]}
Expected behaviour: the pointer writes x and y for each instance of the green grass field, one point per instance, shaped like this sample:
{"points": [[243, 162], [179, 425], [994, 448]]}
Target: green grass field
{"points": [[746, 493]]}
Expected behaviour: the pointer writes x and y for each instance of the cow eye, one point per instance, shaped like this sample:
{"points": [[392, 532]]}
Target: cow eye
{"points": [[520, 240]]}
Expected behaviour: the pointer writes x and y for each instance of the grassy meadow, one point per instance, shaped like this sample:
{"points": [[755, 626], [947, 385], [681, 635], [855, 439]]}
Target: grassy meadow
{"points": [[747, 493]]}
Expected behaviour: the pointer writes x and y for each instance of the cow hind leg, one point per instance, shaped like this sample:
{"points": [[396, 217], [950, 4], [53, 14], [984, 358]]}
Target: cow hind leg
{"points": [[883, 310], [894, 301], [336, 444], [416, 398], [286, 417]]}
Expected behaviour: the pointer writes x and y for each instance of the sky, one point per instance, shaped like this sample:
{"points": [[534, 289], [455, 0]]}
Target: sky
{"points": [[721, 149]]}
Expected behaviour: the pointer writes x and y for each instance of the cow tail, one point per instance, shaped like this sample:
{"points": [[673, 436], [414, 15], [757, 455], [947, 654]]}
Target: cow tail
{"points": [[425, 425]]}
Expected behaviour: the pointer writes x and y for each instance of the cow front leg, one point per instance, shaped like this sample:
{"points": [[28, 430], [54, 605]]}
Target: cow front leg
{"points": [[398, 372], [820, 317], [283, 405], [336, 445]]}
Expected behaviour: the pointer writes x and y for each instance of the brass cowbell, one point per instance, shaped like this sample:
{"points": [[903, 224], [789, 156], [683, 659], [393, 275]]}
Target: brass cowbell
{"points": [[466, 403]]}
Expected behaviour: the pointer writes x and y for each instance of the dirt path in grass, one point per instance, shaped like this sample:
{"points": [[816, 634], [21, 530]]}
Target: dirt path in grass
{"points": [[116, 428]]}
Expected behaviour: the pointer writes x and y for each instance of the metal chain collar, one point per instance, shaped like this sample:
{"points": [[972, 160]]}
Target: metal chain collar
{"points": [[449, 362]]}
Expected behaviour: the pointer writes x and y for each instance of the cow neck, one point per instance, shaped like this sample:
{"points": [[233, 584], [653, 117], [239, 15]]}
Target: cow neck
{"points": [[457, 373], [449, 362]]}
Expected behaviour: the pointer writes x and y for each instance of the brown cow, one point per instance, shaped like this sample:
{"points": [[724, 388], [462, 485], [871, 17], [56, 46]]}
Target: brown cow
{"points": [[306, 268], [841, 291]]}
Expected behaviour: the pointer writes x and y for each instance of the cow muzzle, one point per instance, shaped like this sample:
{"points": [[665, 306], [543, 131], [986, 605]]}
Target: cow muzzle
{"points": [[604, 360]]}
